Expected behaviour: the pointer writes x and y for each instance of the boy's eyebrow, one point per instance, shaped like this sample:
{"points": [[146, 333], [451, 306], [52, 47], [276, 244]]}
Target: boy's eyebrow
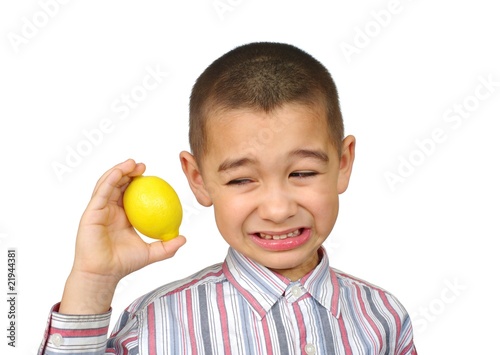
{"points": [[311, 153], [229, 164]]}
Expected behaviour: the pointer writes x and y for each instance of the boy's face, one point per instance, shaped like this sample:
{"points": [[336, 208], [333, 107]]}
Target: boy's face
{"points": [[274, 181]]}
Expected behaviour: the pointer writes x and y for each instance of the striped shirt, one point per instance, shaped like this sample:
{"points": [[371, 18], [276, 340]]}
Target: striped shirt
{"points": [[240, 307]]}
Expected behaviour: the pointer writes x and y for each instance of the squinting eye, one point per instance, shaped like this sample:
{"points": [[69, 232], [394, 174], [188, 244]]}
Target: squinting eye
{"points": [[239, 182], [303, 174]]}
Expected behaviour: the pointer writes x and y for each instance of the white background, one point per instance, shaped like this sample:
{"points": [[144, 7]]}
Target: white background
{"points": [[431, 239]]}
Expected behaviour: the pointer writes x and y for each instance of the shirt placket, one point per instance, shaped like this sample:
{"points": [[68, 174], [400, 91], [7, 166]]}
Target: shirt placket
{"points": [[294, 294]]}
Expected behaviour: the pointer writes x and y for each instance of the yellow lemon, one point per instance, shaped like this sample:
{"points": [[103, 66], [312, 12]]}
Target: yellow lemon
{"points": [[153, 207]]}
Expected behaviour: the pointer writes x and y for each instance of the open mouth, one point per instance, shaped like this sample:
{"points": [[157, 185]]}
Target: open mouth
{"points": [[292, 234], [282, 241]]}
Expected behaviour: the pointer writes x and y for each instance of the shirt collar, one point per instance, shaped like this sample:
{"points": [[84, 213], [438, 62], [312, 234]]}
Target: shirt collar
{"points": [[262, 288]]}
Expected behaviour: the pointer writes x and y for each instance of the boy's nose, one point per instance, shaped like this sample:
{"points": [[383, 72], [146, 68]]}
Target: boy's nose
{"points": [[277, 206]]}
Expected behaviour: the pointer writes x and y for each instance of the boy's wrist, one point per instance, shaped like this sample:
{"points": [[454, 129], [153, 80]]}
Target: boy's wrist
{"points": [[87, 294]]}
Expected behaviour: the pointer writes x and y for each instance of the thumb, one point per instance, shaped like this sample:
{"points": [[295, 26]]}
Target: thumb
{"points": [[162, 250]]}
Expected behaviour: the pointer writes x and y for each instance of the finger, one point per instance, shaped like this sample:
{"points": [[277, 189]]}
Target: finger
{"points": [[105, 189], [125, 181], [126, 167], [163, 250], [127, 178], [112, 184], [107, 173], [109, 187]]}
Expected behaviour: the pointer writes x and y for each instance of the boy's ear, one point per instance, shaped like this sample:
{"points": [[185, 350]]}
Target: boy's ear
{"points": [[195, 180], [346, 162]]}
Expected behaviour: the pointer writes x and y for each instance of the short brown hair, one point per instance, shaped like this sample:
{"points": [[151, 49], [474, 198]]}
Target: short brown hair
{"points": [[262, 76]]}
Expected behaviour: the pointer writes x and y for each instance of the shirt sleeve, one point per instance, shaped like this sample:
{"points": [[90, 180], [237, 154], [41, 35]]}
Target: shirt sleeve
{"points": [[405, 344], [75, 334]]}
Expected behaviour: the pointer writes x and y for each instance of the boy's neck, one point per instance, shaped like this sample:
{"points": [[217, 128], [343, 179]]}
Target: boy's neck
{"points": [[295, 274]]}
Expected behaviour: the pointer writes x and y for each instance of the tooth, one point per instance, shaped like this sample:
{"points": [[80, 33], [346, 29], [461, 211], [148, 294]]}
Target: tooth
{"points": [[294, 233], [280, 236]]}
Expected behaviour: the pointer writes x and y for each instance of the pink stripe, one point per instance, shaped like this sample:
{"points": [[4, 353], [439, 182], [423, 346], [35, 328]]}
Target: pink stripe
{"points": [[223, 317], [192, 335], [267, 337], [345, 338], [125, 344], [336, 293], [408, 347], [302, 327], [80, 332], [393, 312], [151, 330], [367, 316]]}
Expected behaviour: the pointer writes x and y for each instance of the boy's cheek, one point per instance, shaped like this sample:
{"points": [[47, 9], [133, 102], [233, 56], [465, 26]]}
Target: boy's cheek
{"points": [[213, 189], [326, 209]]}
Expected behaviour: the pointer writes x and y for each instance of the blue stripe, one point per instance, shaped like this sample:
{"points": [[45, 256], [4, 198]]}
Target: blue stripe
{"points": [[204, 323], [280, 329]]}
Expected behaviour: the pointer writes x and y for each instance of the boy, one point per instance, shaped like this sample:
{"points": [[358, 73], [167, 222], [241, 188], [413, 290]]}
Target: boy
{"points": [[268, 153]]}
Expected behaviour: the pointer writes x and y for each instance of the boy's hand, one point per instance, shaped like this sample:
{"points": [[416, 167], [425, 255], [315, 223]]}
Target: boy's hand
{"points": [[107, 246]]}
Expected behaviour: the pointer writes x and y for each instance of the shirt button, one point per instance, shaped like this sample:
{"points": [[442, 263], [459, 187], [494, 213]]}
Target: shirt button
{"points": [[56, 339], [296, 291], [310, 349]]}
